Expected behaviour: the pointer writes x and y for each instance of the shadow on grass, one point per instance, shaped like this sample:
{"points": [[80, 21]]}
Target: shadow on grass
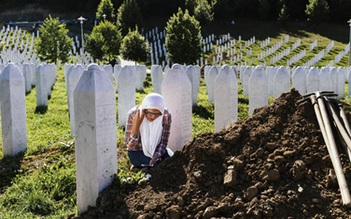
{"points": [[9, 166], [41, 109], [202, 112]]}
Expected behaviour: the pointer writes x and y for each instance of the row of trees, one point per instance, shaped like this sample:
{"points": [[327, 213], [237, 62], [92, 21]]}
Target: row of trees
{"points": [[290, 10], [109, 39], [118, 30]]}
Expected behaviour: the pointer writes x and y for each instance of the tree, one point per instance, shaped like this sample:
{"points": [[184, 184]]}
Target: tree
{"points": [[105, 8], [317, 11], [104, 41], [202, 9], [53, 42], [134, 47], [183, 41], [128, 16]]}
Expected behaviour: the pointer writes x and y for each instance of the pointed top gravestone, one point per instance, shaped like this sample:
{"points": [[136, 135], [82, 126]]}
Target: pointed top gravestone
{"points": [[156, 78], [13, 111], [126, 93], [180, 106], [72, 81], [96, 137]]}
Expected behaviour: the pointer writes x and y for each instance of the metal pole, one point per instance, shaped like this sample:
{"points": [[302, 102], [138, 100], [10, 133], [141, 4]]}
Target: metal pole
{"points": [[81, 30], [82, 19]]}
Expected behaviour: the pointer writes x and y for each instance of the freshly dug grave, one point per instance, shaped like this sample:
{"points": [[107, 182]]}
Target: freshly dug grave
{"points": [[274, 164]]}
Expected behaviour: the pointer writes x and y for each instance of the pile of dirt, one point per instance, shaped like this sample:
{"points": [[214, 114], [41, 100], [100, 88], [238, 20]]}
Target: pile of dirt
{"points": [[274, 164]]}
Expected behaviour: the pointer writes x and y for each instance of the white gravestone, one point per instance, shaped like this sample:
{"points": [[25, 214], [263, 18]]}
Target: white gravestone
{"points": [[341, 82], [156, 78], [13, 111], [281, 82], [324, 79], [96, 137], [194, 77], [197, 81], [109, 71], [312, 80], [42, 86], [27, 77], [72, 81], [270, 75], [126, 93], [212, 74], [299, 80], [333, 73], [116, 70], [176, 90], [140, 73], [258, 89], [67, 72], [206, 70], [247, 72], [225, 98]]}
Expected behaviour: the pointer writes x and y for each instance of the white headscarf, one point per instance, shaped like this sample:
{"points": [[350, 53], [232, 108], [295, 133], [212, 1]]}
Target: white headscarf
{"points": [[151, 132]]}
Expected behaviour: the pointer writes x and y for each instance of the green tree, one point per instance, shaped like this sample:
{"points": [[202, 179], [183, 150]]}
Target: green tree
{"points": [[134, 47], [105, 8], [202, 9], [53, 42], [128, 16], [183, 41], [317, 11], [104, 41]]}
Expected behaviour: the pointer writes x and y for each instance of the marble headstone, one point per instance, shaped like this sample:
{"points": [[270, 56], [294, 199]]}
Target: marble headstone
{"points": [[258, 89], [96, 137], [281, 82], [156, 78], [299, 80], [13, 111], [312, 80], [126, 93], [72, 81], [176, 90], [225, 98]]}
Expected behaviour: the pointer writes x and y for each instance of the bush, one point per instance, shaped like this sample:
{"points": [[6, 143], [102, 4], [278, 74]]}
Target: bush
{"points": [[53, 42], [134, 47], [184, 40], [104, 41]]}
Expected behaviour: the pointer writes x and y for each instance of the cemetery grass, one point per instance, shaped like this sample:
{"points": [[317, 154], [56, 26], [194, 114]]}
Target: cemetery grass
{"points": [[41, 181]]}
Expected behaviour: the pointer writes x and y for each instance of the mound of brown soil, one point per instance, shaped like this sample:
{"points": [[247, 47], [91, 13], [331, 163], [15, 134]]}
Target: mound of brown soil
{"points": [[274, 164]]}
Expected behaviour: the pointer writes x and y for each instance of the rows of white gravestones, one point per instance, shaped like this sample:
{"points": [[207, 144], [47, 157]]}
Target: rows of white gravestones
{"points": [[18, 46], [339, 56], [16, 80], [296, 58], [304, 79]]}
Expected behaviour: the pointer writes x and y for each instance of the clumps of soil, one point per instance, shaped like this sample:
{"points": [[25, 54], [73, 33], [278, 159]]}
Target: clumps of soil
{"points": [[274, 164]]}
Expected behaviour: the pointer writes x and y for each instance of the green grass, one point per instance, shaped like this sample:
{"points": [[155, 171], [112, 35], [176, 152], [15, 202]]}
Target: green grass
{"points": [[41, 182]]}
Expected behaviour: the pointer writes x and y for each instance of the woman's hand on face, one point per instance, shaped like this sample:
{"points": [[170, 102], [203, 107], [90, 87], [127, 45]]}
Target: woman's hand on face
{"points": [[139, 116]]}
